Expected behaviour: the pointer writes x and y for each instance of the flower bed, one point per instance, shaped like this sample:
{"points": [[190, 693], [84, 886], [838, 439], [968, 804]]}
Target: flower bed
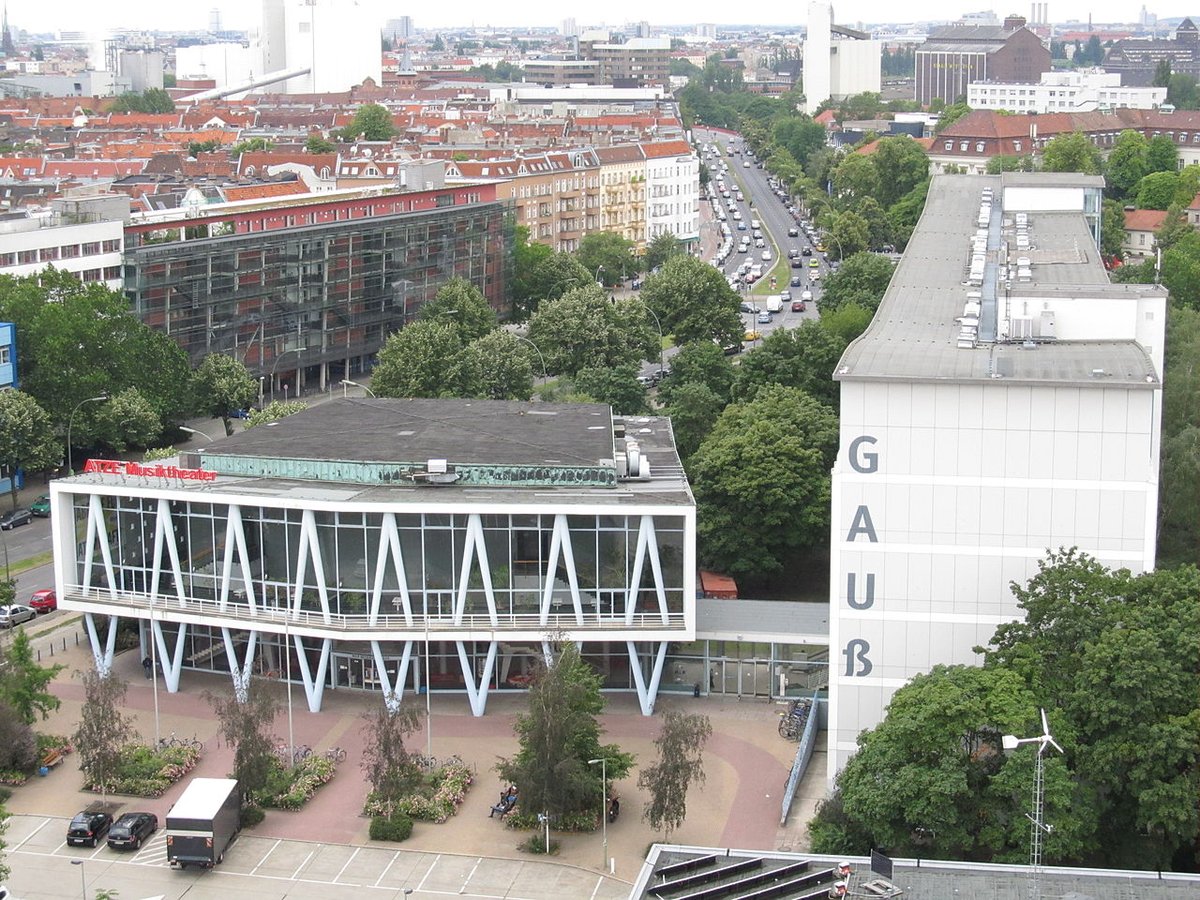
{"points": [[46, 744], [145, 772], [444, 794], [576, 822], [292, 788]]}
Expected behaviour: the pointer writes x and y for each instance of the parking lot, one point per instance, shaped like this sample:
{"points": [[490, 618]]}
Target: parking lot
{"points": [[267, 868]]}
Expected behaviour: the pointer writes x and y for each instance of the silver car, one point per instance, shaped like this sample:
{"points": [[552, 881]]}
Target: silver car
{"points": [[11, 616]]}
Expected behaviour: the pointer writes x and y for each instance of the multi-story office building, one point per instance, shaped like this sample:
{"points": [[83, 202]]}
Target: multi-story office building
{"points": [[639, 62], [443, 546], [74, 236], [1137, 60], [951, 58], [1004, 402], [306, 289], [838, 62], [672, 191], [1064, 92], [562, 71]]}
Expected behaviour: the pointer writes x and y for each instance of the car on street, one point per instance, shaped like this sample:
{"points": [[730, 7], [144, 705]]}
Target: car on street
{"points": [[785, 296], [87, 828], [764, 318], [796, 281], [807, 251], [814, 274], [12, 616], [766, 255], [814, 263], [747, 307], [41, 506], [796, 263], [645, 380], [793, 231], [44, 601], [746, 164], [741, 225], [15, 518], [132, 829]]}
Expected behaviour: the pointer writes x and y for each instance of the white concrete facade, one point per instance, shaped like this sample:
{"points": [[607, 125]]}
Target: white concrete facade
{"points": [[339, 40], [672, 194], [836, 65], [90, 250], [1022, 418], [817, 46], [1064, 92]]}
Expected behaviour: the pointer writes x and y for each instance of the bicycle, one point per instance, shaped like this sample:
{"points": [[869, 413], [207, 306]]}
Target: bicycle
{"points": [[337, 754]]}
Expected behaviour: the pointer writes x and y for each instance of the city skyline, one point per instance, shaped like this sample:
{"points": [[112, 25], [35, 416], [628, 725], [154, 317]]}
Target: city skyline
{"points": [[77, 15]]}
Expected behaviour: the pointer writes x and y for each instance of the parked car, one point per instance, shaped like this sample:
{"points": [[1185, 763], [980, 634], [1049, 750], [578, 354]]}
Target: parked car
{"points": [[41, 506], [87, 828], [132, 829], [12, 616], [15, 518], [43, 601], [747, 307], [793, 231]]}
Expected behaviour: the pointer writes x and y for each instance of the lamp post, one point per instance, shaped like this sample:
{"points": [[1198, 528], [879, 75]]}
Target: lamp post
{"points": [[347, 381], [428, 685], [71, 422], [603, 803], [194, 431], [275, 365], [660, 337], [542, 359], [287, 659], [599, 269], [82, 876]]}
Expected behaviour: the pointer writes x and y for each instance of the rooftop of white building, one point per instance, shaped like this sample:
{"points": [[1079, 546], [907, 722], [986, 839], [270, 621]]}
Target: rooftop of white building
{"points": [[918, 332]]}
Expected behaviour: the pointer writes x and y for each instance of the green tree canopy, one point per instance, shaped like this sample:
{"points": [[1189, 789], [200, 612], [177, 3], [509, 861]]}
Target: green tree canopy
{"points": [[607, 256], [662, 248], [496, 366], [551, 276], [803, 358], [1112, 228], [583, 329], [693, 408], [862, 280], [1179, 482], [617, 386], [26, 438], [250, 145], [24, 683], [694, 302], [558, 733], [1072, 152], [1126, 164], [527, 255], [856, 177], [460, 303], [317, 144], [151, 100], [220, 385], [699, 362], [371, 122], [902, 165], [415, 361], [1162, 155], [761, 481], [1157, 190]]}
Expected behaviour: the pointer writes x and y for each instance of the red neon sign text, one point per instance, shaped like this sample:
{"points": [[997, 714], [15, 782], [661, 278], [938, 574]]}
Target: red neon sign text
{"points": [[154, 470]]}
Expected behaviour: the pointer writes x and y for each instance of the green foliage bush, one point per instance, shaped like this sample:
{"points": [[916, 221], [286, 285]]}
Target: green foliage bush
{"points": [[143, 771], [439, 798], [291, 788], [578, 822], [396, 827], [536, 843], [251, 815]]}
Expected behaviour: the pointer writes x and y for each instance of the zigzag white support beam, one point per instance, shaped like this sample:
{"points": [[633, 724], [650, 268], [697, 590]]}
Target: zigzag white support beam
{"points": [[310, 549], [235, 539], [647, 695], [173, 660], [97, 529], [393, 694], [102, 655], [474, 550], [647, 548], [164, 537], [389, 546], [547, 653], [240, 670], [560, 545], [477, 693], [314, 686]]}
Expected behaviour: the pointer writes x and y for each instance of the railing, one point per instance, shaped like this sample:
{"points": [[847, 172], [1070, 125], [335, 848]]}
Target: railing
{"points": [[561, 618]]}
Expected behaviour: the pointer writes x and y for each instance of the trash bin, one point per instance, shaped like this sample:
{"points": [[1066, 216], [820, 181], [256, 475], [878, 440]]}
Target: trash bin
{"points": [[696, 689], [43, 771]]}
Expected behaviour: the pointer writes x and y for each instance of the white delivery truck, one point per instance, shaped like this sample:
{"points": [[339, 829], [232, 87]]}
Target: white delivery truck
{"points": [[774, 304]]}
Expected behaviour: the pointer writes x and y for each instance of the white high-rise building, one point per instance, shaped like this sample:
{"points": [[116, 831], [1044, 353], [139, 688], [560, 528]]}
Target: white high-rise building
{"points": [[569, 28], [1004, 402], [838, 62], [337, 40]]}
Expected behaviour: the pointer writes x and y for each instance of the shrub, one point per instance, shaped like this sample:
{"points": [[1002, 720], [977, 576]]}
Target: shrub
{"points": [[572, 822], [143, 771], [396, 827], [292, 788], [443, 793], [536, 843], [251, 815]]}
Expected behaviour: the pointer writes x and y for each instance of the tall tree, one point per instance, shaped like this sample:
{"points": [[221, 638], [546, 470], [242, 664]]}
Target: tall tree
{"points": [[1112, 228], [371, 122], [496, 366], [862, 279], [24, 682], [699, 362], [583, 329], [523, 289], [390, 768], [662, 248], [617, 386], [222, 384], [855, 178], [26, 439], [245, 723], [694, 302], [557, 734], [680, 764], [1072, 152], [803, 358], [103, 727], [460, 303], [761, 481], [1161, 154], [902, 165], [415, 360], [693, 409], [1126, 164], [607, 256]]}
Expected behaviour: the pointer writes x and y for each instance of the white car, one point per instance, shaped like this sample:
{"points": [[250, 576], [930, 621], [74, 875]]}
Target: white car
{"points": [[766, 255], [11, 616]]}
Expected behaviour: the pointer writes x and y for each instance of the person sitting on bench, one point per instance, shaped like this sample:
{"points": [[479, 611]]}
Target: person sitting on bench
{"points": [[508, 800]]}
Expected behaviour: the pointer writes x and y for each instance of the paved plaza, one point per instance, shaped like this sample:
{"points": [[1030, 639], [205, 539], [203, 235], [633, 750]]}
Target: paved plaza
{"points": [[325, 848]]}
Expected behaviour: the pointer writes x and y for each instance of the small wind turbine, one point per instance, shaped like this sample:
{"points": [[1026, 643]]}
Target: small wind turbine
{"points": [[1037, 827]]}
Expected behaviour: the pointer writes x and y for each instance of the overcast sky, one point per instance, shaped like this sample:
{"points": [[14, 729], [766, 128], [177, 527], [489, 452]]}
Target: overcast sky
{"points": [[54, 15]]}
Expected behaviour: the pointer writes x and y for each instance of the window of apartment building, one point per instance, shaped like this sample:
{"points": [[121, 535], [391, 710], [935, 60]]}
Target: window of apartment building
{"points": [[47, 254], [5, 358], [8, 259], [90, 275], [949, 145], [979, 146], [91, 248], [112, 273], [1017, 146], [69, 251], [963, 146], [112, 246], [26, 256]]}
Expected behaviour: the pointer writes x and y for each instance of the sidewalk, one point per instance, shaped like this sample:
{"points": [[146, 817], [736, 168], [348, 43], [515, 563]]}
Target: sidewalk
{"points": [[746, 763]]}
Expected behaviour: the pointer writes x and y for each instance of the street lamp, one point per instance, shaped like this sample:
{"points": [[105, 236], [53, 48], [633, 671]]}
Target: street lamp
{"points": [[603, 803], [545, 371], [275, 365], [71, 422], [599, 269], [194, 431], [660, 337], [347, 381], [1037, 827], [82, 875]]}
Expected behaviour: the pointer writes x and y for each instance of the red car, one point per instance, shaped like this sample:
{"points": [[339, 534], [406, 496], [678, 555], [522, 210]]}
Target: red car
{"points": [[44, 601]]}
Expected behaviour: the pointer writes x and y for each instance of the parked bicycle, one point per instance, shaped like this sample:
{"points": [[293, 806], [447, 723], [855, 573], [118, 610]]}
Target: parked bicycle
{"points": [[337, 754], [792, 722], [173, 741]]}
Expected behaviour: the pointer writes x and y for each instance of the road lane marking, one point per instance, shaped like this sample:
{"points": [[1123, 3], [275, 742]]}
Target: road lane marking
{"points": [[343, 868], [265, 855]]}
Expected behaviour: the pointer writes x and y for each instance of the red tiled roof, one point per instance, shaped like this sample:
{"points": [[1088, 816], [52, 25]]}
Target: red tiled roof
{"points": [[1144, 219]]}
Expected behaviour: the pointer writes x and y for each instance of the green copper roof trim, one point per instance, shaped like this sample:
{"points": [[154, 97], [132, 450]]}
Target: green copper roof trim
{"points": [[400, 472]]}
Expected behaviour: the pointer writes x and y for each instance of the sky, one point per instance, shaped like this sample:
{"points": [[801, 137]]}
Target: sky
{"points": [[40, 15]]}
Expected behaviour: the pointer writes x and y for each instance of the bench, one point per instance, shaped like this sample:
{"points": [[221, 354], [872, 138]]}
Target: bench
{"points": [[52, 758]]}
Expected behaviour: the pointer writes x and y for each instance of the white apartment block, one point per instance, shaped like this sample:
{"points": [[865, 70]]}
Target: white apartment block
{"points": [[672, 190], [1065, 92], [89, 250], [1004, 402]]}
